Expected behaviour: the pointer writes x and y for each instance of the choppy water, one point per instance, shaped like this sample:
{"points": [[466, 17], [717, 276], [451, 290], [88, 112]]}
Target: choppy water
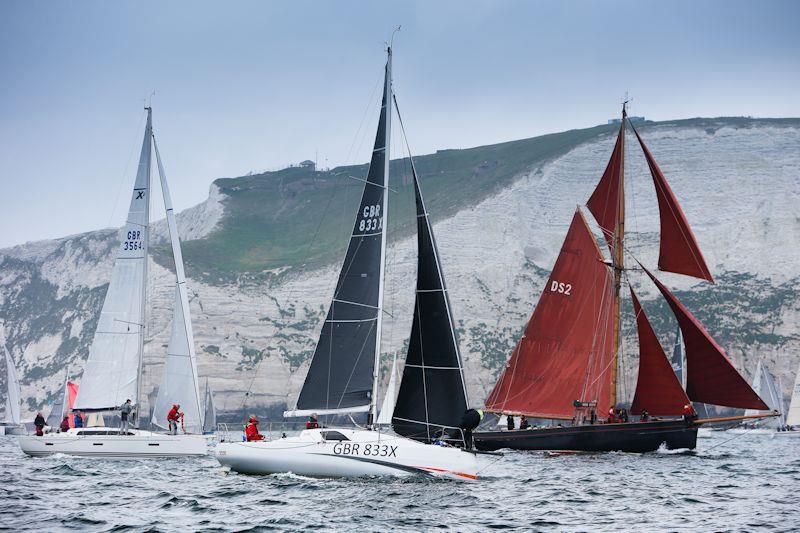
{"points": [[743, 484]]}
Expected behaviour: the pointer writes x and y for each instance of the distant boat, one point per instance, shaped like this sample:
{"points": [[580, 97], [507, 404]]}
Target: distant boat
{"points": [[210, 417], [792, 427], [565, 368], [113, 370], [764, 385], [343, 377], [12, 425]]}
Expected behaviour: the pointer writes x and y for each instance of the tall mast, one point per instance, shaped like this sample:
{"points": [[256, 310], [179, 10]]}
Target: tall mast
{"points": [[146, 244], [618, 260], [387, 97]]}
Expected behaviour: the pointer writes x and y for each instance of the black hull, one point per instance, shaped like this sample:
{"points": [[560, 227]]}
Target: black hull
{"points": [[634, 437]]}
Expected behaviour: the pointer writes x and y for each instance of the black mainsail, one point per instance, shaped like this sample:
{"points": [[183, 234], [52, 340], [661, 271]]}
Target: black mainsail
{"points": [[432, 395], [343, 373]]}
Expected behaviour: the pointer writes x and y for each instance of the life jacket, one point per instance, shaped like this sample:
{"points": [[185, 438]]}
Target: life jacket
{"points": [[251, 432], [312, 424], [173, 414]]}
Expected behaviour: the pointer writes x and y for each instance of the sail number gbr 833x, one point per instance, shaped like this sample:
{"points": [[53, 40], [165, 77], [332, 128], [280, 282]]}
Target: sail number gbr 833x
{"points": [[371, 219]]}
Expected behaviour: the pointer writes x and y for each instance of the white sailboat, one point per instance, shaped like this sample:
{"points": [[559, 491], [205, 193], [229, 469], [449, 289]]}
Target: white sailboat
{"points": [[113, 370], [343, 377], [12, 425], [792, 427], [764, 385]]}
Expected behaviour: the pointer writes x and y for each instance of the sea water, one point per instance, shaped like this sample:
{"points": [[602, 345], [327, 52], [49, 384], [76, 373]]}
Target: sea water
{"points": [[730, 483]]}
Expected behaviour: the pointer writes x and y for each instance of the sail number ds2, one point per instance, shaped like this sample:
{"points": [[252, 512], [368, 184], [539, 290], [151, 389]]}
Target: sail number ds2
{"points": [[561, 288]]}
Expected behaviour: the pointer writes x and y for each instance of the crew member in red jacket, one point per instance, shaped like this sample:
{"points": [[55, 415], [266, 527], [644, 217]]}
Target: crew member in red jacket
{"points": [[313, 422], [173, 416], [251, 431]]}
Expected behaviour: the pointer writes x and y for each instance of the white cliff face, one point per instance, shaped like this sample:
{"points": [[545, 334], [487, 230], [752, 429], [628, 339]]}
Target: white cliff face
{"points": [[739, 187]]}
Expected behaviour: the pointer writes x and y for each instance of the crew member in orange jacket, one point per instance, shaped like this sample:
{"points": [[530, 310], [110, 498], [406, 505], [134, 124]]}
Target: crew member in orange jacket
{"points": [[251, 431], [173, 416]]}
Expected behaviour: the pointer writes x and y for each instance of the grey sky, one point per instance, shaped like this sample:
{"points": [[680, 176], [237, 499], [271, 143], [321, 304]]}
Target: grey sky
{"points": [[245, 86]]}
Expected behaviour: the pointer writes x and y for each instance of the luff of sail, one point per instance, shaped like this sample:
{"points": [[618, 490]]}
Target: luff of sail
{"points": [[13, 396], [710, 376], [678, 249], [111, 374], [432, 394], [658, 390], [342, 375], [566, 351], [180, 382]]}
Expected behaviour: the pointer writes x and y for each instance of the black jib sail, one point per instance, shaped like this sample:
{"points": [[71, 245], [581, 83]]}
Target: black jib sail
{"points": [[341, 377], [432, 395]]}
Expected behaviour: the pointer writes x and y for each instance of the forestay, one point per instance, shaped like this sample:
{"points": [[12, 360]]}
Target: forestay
{"points": [[111, 373]]}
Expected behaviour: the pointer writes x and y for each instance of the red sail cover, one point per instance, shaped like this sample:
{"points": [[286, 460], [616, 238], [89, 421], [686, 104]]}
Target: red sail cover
{"points": [[710, 377], [657, 389], [679, 251], [606, 200], [566, 351]]}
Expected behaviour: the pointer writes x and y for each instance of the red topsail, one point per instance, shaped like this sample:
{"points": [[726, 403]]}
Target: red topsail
{"points": [[657, 390], [678, 251], [607, 203], [566, 351], [711, 377]]}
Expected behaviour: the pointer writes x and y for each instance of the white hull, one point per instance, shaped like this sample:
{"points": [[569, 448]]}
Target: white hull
{"points": [[137, 445], [788, 434], [363, 453], [758, 431]]}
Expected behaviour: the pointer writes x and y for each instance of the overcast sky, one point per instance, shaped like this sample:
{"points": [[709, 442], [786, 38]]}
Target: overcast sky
{"points": [[247, 86]]}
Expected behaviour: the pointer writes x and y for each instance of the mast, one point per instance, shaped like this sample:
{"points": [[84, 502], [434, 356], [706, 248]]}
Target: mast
{"points": [[618, 261], [387, 98], [146, 247]]}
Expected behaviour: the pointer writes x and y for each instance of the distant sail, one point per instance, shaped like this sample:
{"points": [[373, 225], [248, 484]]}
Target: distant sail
{"points": [[341, 376], [679, 251], [657, 388], [180, 380], [387, 407], [764, 385], [210, 418], [13, 395], [566, 351], [58, 410], [678, 359], [710, 377], [111, 373], [607, 203], [432, 394], [793, 414]]}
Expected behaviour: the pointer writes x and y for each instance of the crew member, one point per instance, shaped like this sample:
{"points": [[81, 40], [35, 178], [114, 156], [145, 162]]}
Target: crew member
{"points": [[65, 424], [77, 420], [689, 414], [124, 411], [523, 422], [39, 423], [471, 419], [612, 415], [251, 431], [510, 423], [645, 416], [313, 422], [173, 416]]}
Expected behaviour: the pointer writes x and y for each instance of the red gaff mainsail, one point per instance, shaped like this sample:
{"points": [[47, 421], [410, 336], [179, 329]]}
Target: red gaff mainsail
{"points": [[710, 376], [678, 250], [657, 388], [566, 351]]}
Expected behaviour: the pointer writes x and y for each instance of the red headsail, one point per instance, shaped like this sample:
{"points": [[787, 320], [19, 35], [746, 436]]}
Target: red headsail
{"points": [[657, 389], [607, 201], [679, 251], [566, 351], [710, 377], [72, 393]]}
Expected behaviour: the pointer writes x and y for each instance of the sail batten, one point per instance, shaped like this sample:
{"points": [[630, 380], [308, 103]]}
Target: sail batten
{"points": [[566, 351], [678, 249], [710, 376]]}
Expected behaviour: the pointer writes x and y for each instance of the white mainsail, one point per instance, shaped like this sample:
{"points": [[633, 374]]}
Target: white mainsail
{"points": [[180, 384], [113, 368], [764, 385], [793, 414], [13, 394], [387, 408]]}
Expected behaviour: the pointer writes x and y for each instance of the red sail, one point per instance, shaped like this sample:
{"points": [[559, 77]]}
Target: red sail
{"points": [[606, 202], [657, 390], [566, 351], [710, 377], [678, 251]]}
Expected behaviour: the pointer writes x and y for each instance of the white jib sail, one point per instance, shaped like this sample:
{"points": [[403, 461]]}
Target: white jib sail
{"points": [[387, 408], [793, 414], [12, 393], [765, 387], [210, 418], [179, 384], [111, 374]]}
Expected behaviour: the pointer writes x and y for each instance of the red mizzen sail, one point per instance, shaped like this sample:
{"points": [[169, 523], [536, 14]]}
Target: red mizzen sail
{"points": [[679, 251], [657, 389], [607, 201], [566, 351], [710, 377]]}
